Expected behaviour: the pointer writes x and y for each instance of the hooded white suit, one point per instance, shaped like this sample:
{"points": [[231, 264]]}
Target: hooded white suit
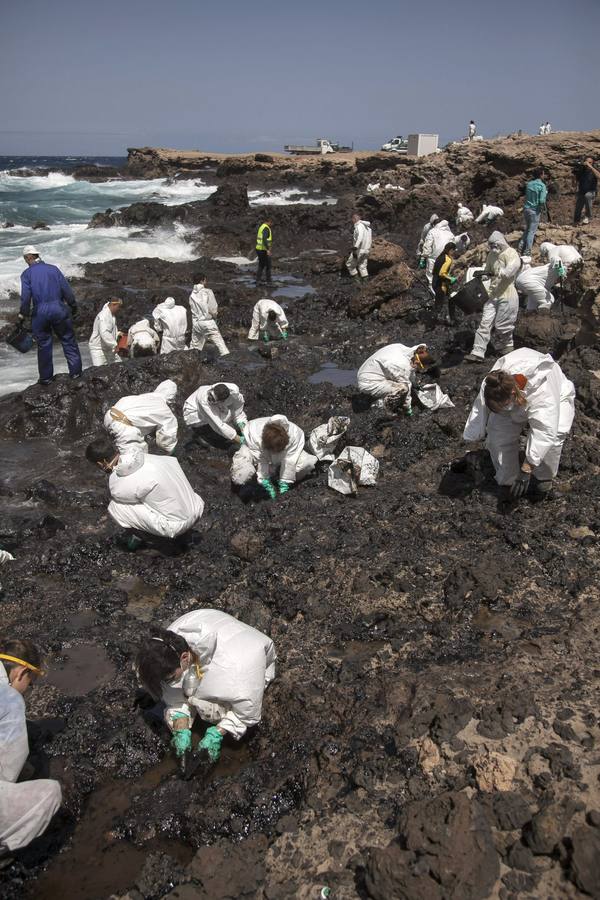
{"points": [[221, 415], [204, 308], [435, 241], [464, 216], [425, 231], [260, 320], [389, 371], [536, 282], [362, 238], [171, 321], [142, 335], [548, 413], [131, 419], [152, 494], [25, 808], [103, 339], [254, 459], [237, 663], [501, 309], [489, 214]]}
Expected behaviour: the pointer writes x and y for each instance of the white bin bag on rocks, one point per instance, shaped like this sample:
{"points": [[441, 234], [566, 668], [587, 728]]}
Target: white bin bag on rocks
{"points": [[353, 467], [324, 439], [433, 397]]}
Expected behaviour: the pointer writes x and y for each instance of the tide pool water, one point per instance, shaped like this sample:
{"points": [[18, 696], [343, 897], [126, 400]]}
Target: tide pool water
{"points": [[19, 370]]}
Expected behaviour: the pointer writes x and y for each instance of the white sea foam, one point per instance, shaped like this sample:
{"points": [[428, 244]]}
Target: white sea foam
{"points": [[288, 197]]}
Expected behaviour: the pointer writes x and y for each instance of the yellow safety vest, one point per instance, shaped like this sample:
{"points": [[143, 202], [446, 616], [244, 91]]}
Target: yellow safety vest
{"points": [[264, 242]]}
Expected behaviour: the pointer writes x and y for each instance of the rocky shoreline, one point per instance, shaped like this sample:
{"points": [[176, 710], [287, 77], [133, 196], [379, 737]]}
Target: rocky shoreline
{"points": [[433, 731]]}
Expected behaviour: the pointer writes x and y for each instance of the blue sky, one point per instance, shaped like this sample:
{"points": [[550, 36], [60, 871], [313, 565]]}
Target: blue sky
{"points": [[95, 78]]}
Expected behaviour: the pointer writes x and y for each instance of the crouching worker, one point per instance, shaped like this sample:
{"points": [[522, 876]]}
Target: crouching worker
{"points": [[273, 452], [150, 495], [208, 664], [524, 390], [25, 808], [132, 419], [142, 340], [215, 412], [391, 373], [268, 322]]}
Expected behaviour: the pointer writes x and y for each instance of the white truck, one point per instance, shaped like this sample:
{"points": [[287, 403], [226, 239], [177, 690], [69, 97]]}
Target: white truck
{"points": [[321, 147], [396, 144]]}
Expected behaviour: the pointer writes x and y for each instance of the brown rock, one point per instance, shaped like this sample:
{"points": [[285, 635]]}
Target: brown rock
{"points": [[494, 771], [388, 284], [585, 861], [246, 545]]}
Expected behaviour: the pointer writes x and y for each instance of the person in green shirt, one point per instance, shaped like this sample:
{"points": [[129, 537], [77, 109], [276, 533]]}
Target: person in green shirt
{"points": [[536, 193]]}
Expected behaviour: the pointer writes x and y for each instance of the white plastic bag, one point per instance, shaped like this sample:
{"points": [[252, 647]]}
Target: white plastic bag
{"points": [[323, 439], [433, 397], [353, 467]]}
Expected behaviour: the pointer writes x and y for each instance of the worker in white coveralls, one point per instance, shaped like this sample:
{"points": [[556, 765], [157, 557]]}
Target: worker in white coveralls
{"points": [[149, 494], [425, 231], [524, 390], [464, 216], [26, 808], [362, 238], [536, 282], [269, 322], [566, 254], [133, 418], [204, 309], [217, 411], [103, 341], [391, 372], [274, 452], [501, 309], [437, 238], [211, 665], [142, 339], [488, 214], [171, 322]]}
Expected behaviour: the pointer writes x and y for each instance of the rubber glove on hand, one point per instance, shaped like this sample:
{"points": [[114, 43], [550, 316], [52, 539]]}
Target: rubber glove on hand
{"points": [[241, 440], [422, 263], [452, 279], [284, 335], [211, 742], [408, 412], [268, 486], [283, 487], [265, 337], [520, 485]]}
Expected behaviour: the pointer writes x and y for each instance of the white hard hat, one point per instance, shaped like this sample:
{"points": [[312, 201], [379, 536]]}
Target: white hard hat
{"points": [[30, 250]]}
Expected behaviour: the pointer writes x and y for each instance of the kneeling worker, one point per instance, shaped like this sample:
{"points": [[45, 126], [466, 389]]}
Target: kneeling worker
{"points": [[525, 389], [273, 449], [214, 409], [210, 664], [391, 372], [269, 322], [132, 419], [149, 494], [142, 340], [26, 808]]}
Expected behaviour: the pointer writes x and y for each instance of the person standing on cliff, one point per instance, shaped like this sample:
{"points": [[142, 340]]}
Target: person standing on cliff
{"points": [[536, 193], [472, 130], [586, 177], [264, 243], [46, 288], [362, 238]]}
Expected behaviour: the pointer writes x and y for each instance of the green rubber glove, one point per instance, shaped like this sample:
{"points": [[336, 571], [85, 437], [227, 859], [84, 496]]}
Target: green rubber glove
{"points": [[181, 740], [408, 412], [561, 271], [211, 742], [452, 279], [283, 487], [284, 335], [265, 337], [422, 263], [242, 440], [268, 486]]}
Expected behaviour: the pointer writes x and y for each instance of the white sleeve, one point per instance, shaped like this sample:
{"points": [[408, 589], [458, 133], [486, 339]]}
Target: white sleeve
{"points": [[476, 426], [253, 334], [428, 244], [543, 419], [289, 463], [237, 410], [214, 421], [166, 433], [212, 305], [106, 332], [14, 746]]}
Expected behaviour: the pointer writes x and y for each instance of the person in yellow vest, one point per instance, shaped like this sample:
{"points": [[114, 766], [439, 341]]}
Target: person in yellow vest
{"points": [[443, 279], [264, 241]]}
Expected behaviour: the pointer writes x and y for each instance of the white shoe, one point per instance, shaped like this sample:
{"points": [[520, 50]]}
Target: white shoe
{"points": [[585, 221]]}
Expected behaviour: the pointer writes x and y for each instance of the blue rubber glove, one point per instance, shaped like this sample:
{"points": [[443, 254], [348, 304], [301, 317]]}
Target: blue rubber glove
{"points": [[268, 486], [284, 487], [422, 263], [211, 742]]}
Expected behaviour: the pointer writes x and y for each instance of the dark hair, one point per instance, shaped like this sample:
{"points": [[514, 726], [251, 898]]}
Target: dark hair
{"points": [[427, 360], [115, 300], [499, 388], [158, 657], [200, 277], [221, 391], [274, 437], [271, 315], [25, 650], [138, 352], [449, 246], [100, 450], [537, 172]]}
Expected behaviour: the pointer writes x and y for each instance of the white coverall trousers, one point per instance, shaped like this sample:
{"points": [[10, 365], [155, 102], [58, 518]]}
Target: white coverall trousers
{"points": [[207, 330], [379, 386], [357, 265], [245, 463], [501, 317], [103, 357], [26, 809], [140, 517], [502, 441], [170, 343]]}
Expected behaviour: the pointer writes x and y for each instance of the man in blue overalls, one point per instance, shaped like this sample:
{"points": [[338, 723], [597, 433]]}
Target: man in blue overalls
{"points": [[53, 307]]}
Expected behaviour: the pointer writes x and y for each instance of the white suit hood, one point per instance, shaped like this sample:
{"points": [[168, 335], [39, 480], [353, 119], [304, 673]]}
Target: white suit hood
{"points": [[167, 390], [169, 302], [497, 241]]}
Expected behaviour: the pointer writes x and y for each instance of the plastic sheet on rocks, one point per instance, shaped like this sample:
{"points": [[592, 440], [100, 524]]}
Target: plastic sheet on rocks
{"points": [[354, 467], [433, 397], [323, 439]]}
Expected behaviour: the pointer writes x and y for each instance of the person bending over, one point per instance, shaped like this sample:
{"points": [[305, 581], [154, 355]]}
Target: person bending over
{"points": [[273, 452]]}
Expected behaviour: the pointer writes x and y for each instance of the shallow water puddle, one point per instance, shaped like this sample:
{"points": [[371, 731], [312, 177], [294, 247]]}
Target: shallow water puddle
{"points": [[142, 599], [80, 669], [330, 373]]}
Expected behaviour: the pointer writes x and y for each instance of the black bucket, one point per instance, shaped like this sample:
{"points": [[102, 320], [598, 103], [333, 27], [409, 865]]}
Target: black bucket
{"points": [[471, 297], [20, 339]]}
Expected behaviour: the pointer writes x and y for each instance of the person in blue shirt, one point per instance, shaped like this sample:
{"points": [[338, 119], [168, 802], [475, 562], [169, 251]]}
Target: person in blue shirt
{"points": [[45, 288], [536, 193]]}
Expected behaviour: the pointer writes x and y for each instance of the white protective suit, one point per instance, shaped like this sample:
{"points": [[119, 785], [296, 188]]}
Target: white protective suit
{"points": [[252, 458], [171, 321], [389, 371], [362, 239], [103, 340], [536, 282], [489, 214], [464, 216], [564, 254], [221, 415], [152, 494], [501, 309], [204, 308], [435, 241], [425, 231], [131, 419], [237, 662], [142, 335], [260, 321], [549, 414], [25, 808]]}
